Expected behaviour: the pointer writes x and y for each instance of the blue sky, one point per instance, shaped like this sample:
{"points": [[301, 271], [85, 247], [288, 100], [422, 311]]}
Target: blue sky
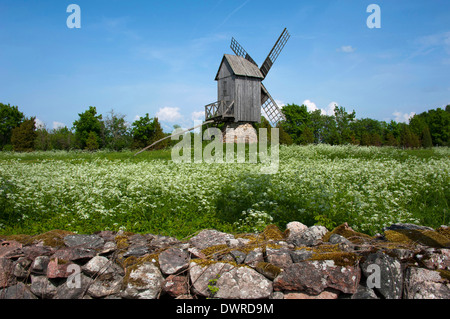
{"points": [[161, 57]]}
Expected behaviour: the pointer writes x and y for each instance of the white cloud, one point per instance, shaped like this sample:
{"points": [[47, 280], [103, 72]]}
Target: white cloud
{"points": [[169, 114], [57, 125], [280, 103], [329, 110], [403, 117], [346, 49], [198, 116], [39, 123]]}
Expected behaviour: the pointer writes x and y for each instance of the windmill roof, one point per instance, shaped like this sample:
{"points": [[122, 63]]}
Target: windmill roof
{"points": [[241, 66]]}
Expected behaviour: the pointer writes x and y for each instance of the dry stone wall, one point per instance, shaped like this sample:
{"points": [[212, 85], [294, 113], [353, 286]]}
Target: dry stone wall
{"points": [[406, 261]]}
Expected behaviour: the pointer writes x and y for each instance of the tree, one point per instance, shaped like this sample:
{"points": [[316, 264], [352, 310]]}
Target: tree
{"points": [[116, 131], [10, 117], [92, 142], [426, 138], [307, 136], [88, 122], [343, 121], [407, 138], [146, 131], [24, 136], [297, 118], [62, 139]]}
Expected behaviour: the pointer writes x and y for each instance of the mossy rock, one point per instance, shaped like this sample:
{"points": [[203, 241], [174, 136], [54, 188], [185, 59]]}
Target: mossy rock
{"points": [[444, 231], [53, 238], [340, 258], [417, 236], [272, 232], [268, 270], [218, 249], [122, 241], [345, 231]]}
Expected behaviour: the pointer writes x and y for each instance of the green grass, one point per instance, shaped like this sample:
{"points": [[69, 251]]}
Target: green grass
{"points": [[367, 187]]}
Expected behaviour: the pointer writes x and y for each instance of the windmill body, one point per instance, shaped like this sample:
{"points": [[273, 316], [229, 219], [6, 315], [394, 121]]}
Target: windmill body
{"points": [[242, 97]]}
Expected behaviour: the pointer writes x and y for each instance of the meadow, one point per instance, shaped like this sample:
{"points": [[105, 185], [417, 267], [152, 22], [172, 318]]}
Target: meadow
{"points": [[368, 187]]}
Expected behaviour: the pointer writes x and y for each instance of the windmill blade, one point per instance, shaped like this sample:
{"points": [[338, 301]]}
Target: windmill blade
{"points": [[270, 107], [275, 52], [240, 51]]}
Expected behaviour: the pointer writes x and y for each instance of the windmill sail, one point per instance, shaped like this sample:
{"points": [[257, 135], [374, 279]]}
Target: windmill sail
{"points": [[239, 51], [275, 52], [270, 107]]}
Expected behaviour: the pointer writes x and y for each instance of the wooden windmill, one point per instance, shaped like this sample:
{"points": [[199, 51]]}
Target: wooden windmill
{"points": [[241, 95]]}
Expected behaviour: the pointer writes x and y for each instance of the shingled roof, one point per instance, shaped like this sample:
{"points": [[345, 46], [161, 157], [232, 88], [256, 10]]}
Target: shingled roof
{"points": [[241, 67]]}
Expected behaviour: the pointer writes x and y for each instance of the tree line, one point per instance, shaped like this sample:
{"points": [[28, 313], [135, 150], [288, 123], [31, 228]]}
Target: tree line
{"points": [[430, 128], [91, 131]]}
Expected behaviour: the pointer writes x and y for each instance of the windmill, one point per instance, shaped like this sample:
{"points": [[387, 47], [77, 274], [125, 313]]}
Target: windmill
{"points": [[241, 94]]}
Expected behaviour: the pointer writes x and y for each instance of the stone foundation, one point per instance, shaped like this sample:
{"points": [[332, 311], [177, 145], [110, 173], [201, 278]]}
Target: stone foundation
{"points": [[239, 133]]}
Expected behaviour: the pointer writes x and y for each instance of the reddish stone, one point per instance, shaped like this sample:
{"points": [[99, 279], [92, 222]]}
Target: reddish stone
{"points": [[313, 277], [323, 295], [56, 270], [6, 273], [176, 286], [10, 249]]}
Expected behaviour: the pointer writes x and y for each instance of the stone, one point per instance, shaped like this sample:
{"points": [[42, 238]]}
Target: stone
{"points": [[18, 291], [243, 283], [310, 237], [173, 261], [230, 282], [364, 292], [105, 286], [313, 277], [391, 275], [254, 257], [300, 255], [10, 249], [279, 257], [73, 289], [109, 247], [98, 266], [295, 229], [56, 269], [77, 254], [87, 241], [162, 242], [42, 287], [39, 265], [6, 273], [34, 251], [143, 281], [301, 295], [239, 256], [201, 276], [208, 238], [239, 133], [338, 239], [21, 267], [423, 283], [176, 286], [407, 227], [436, 259]]}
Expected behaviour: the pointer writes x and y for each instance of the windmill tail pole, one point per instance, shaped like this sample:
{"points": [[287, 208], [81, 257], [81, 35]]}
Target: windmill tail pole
{"points": [[180, 133]]}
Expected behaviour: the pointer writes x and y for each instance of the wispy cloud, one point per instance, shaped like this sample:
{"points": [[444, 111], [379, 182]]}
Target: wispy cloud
{"points": [[346, 49], [232, 13]]}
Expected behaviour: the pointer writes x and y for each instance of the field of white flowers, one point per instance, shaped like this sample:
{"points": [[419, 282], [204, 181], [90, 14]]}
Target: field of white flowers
{"points": [[367, 187]]}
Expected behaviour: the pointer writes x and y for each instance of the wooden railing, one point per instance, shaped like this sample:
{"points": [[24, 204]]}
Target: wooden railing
{"points": [[219, 110]]}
